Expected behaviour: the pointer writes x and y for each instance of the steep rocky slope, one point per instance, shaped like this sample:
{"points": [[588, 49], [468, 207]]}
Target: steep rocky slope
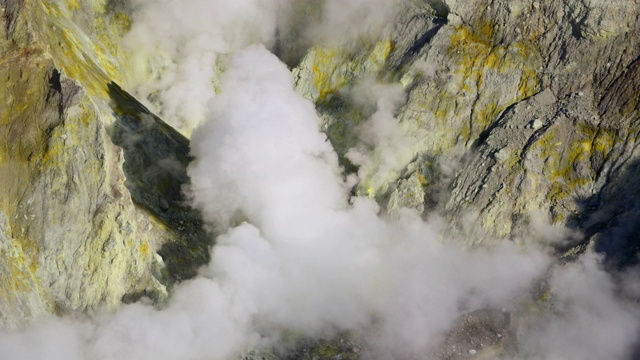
{"points": [[539, 100], [80, 231]]}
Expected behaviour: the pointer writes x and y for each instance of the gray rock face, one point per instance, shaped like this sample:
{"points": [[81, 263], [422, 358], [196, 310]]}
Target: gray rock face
{"points": [[72, 239], [537, 99], [564, 144], [156, 159]]}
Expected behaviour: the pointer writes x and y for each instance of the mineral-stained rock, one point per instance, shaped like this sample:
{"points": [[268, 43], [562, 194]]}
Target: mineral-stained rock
{"points": [[72, 236], [73, 239], [537, 100], [570, 145], [536, 103]]}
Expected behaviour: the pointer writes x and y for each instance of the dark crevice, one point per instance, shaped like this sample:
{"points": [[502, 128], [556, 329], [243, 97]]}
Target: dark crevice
{"points": [[611, 219], [11, 12], [440, 7], [576, 25], [54, 81], [484, 134], [619, 96], [55, 91], [156, 160], [420, 42], [534, 139]]}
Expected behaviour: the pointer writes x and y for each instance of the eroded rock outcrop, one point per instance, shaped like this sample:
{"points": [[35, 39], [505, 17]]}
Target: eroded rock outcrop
{"points": [[77, 231], [523, 92]]}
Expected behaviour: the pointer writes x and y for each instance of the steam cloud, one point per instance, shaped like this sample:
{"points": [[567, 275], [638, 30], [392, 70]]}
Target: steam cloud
{"points": [[179, 43], [383, 150], [298, 254]]}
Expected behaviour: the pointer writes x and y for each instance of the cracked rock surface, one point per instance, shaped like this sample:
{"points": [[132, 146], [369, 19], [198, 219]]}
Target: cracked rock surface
{"points": [[77, 234]]}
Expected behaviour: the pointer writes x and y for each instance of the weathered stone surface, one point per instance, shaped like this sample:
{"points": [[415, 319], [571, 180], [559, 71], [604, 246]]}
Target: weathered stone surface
{"points": [[574, 153], [482, 334], [74, 240], [537, 99], [72, 237]]}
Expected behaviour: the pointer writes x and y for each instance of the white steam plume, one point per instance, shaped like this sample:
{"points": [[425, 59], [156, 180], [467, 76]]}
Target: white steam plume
{"points": [[345, 22], [305, 260], [592, 319], [314, 261], [178, 43], [383, 150], [175, 45], [298, 254]]}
